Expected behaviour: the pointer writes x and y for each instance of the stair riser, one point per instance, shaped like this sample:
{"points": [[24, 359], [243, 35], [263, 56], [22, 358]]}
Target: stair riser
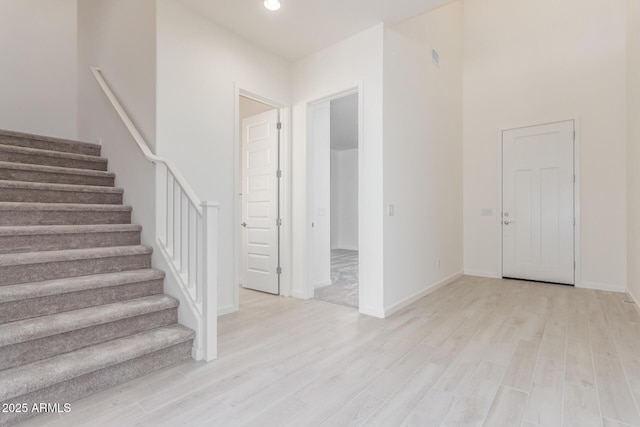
{"points": [[37, 159], [55, 178], [63, 147], [15, 274], [31, 351], [52, 196], [55, 242], [44, 306], [36, 217], [85, 385]]}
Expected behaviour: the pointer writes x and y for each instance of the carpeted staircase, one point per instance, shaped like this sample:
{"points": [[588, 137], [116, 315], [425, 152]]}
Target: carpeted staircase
{"points": [[81, 309]]}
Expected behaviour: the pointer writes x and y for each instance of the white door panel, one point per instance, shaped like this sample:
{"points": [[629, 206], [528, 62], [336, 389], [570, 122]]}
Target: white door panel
{"points": [[538, 212], [260, 202]]}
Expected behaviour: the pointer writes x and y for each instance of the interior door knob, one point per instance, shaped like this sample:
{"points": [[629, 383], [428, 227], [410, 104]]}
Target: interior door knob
{"points": [[244, 224], [508, 222]]}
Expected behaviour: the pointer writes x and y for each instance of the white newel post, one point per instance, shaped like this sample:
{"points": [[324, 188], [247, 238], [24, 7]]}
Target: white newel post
{"points": [[210, 280]]}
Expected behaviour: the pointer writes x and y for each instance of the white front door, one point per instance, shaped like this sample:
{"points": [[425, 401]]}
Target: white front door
{"points": [[538, 211], [260, 183]]}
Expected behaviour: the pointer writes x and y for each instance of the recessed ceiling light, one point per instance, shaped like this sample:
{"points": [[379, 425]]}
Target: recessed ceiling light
{"points": [[272, 4]]}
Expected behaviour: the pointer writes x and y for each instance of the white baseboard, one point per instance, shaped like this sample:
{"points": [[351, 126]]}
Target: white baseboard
{"points": [[373, 312], [197, 353], [227, 310], [299, 294], [402, 304], [602, 287], [322, 284], [634, 299], [488, 274]]}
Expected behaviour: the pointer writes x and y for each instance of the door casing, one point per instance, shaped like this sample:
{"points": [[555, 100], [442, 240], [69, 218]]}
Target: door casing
{"points": [[309, 288], [284, 111]]}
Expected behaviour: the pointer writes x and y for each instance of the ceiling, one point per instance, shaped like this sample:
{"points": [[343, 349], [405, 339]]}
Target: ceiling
{"points": [[344, 123], [302, 27]]}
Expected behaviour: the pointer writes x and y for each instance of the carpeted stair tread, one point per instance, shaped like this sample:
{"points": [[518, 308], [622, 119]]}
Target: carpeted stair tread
{"points": [[31, 230], [28, 267], [31, 173], [76, 284], [36, 238], [14, 206], [43, 298], [27, 378], [22, 185], [56, 169], [30, 258], [45, 326], [29, 213], [53, 154], [38, 192], [10, 153], [20, 139]]}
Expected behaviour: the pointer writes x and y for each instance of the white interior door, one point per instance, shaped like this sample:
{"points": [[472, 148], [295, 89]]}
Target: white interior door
{"points": [[260, 243], [538, 211]]}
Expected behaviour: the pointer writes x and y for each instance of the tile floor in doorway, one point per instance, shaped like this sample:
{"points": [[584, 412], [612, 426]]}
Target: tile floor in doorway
{"points": [[344, 279]]}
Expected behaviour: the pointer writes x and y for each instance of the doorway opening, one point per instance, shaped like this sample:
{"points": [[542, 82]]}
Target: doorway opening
{"points": [[334, 205], [259, 196], [538, 223]]}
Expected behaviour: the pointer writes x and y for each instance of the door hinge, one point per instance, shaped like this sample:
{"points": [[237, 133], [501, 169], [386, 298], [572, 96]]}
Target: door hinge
{"points": [[279, 125], [278, 270], [278, 174], [279, 222], [574, 265], [574, 136]]}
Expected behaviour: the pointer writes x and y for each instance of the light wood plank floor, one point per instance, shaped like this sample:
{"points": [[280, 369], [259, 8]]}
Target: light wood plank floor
{"points": [[476, 352]]}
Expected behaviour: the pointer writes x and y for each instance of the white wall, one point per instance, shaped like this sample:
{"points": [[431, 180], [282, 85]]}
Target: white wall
{"points": [[346, 199], [199, 67], [119, 37], [422, 154], [344, 122], [346, 64], [536, 61], [633, 155], [38, 67], [320, 141]]}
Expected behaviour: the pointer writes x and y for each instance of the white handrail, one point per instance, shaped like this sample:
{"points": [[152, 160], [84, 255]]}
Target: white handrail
{"points": [[189, 230], [142, 145]]}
